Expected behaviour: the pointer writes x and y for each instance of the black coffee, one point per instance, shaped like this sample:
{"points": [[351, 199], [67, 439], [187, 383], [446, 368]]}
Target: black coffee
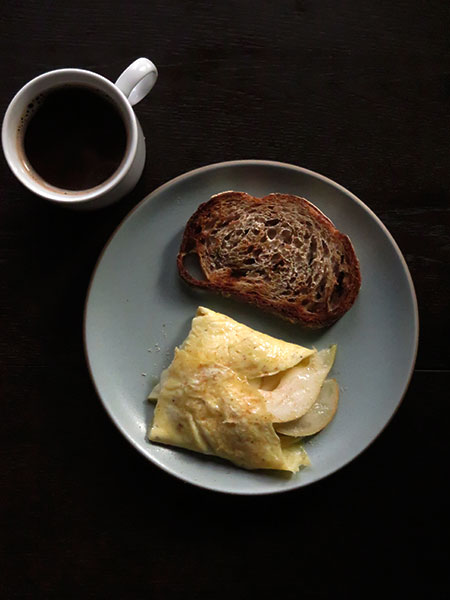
{"points": [[73, 137]]}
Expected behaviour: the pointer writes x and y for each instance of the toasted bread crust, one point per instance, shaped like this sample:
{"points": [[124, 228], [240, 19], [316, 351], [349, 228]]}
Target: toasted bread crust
{"points": [[280, 253]]}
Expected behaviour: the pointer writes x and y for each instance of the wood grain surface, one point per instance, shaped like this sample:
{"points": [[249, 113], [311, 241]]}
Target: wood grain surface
{"points": [[358, 91]]}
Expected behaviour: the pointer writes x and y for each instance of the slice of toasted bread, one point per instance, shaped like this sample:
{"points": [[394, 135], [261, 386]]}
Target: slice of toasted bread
{"points": [[279, 252]]}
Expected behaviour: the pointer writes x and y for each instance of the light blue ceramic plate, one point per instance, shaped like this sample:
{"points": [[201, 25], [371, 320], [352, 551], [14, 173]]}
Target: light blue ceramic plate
{"points": [[138, 310]]}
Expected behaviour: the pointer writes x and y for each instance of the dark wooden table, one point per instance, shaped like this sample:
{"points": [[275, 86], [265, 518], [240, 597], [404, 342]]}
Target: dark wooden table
{"points": [[359, 91]]}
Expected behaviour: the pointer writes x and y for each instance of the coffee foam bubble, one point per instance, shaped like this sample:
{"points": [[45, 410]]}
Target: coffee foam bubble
{"points": [[29, 112]]}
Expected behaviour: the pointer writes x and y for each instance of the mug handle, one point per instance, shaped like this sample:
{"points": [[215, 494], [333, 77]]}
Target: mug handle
{"points": [[137, 80]]}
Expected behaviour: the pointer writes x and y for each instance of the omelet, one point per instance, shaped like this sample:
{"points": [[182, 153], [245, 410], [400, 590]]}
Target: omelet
{"points": [[217, 395], [246, 351]]}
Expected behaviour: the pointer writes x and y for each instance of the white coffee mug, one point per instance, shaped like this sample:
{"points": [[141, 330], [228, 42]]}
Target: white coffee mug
{"points": [[131, 87]]}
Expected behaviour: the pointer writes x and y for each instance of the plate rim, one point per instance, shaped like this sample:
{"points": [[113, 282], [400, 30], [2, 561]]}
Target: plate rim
{"points": [[234, 163]]}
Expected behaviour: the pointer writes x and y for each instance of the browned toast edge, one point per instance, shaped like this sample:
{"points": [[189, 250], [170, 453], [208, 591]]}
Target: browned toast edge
{"points": [[288, 311]]}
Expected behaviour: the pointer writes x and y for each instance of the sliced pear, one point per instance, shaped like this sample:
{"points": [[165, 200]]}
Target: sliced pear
{"points": [[267, 382], [286, 441], [299, 387], [319, 415], [270, 382]]}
